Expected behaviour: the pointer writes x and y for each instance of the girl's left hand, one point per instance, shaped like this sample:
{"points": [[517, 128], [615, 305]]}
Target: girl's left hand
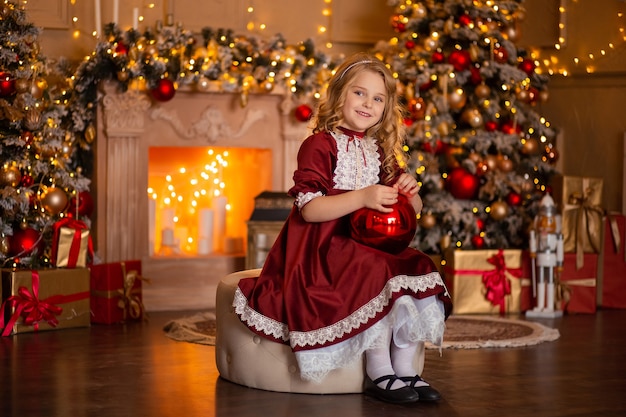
{"points": [[407, 185]]}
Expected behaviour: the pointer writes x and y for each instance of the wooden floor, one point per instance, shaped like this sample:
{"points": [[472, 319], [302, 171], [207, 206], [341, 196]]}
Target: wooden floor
{"points": [[135, 370]]}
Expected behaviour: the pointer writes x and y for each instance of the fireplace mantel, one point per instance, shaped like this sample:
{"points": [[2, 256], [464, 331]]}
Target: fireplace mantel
{"points": [[129, 123]]}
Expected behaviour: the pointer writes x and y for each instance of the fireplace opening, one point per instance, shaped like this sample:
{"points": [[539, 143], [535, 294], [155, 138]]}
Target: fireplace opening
{"points": [[201, 197]]}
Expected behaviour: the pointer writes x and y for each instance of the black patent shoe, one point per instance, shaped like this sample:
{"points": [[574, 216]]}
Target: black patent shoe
{"points": [[402, 395], [425, 392]]}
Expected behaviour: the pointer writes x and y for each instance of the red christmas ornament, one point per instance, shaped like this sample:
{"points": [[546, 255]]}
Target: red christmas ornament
{"points": [[409, 44], [303, 113], [437, 57], [478, 242], [437, 149], [460, 60], [390, 232], [462, 184], [475, 76], [164, 91], [24, 242], [7, 84], [27, 180], [426, 86], [84, 202], [121, 48], [397, 24], [491, 125], [500, 55], [514, 199], [480, 223], [528, 66], [465, 20], [510, 128]]}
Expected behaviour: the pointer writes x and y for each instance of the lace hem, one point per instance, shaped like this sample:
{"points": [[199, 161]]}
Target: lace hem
{"points": [[329, 334], [303, 198], [410, 324]]}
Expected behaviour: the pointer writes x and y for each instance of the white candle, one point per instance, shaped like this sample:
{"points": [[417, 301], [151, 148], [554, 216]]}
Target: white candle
{"points": [[116, 11], [219, 207], [98, 16], [151, 224], [167, 237], [135, 18], [205, 246], [167, 219], [205, 224]]}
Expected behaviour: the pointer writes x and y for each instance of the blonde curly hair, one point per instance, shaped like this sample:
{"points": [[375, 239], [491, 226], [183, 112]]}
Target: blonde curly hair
{"points": [[389, 131]]}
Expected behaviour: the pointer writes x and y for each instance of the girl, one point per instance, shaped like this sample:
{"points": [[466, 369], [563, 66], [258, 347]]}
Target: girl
{"points": [[333, 299]]}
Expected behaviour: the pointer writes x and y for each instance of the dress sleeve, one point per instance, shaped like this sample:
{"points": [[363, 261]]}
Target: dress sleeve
{"points": [[317, 158]]}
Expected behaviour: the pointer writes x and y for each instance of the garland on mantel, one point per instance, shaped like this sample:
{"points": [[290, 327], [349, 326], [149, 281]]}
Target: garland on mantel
{"points": [[164, 58]]}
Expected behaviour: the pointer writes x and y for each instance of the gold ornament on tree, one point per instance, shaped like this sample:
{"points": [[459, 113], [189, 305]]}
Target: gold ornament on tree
{"points": [[499, 210], [54, 200], [428, 221], [457, 99], [10, 175]]}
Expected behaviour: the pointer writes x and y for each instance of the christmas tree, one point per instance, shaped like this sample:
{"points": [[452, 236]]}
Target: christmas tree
{"points": [[38, 179], [482, 153]]}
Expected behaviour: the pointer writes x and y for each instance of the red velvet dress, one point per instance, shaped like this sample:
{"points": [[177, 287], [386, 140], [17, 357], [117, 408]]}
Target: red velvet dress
{"points": [[328, 296]]}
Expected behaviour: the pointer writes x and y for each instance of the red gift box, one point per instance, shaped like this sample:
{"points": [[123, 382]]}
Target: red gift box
{"points": [[116, 292], [578, 286], [612, 273]]}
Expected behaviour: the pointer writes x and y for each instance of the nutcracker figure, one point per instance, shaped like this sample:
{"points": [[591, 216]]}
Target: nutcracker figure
{"points": [[546, 254]]}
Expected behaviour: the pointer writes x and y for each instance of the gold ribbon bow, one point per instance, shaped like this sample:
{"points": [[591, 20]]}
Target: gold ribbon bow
{"points": [[565, 288], [129, 302]]}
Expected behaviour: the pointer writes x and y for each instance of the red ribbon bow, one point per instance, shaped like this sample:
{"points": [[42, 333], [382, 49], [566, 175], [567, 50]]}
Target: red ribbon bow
{"points": [[496, 283], [78, 227], [32, 309]]}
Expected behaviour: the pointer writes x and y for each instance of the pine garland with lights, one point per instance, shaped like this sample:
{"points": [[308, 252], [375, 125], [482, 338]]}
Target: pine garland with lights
{"points": [[482, 153], [163, 59], [38, 177]]}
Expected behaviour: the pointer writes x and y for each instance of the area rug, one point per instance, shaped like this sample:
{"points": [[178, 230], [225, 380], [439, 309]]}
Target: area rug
{"points": [[462, 332]]}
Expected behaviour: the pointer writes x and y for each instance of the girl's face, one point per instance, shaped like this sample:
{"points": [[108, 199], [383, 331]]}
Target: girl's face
{"points": [[365, 101]]}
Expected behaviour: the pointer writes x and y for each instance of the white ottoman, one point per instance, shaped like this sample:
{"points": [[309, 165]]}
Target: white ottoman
{"points": [[247, 359]]}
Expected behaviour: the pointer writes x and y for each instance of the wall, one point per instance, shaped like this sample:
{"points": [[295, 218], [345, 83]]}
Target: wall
{"points": [[586, 106]]}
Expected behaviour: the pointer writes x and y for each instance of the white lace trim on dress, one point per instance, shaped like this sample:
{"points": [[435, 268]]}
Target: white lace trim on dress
{"points": [[303, 198], [358, 162], [337, 330]]}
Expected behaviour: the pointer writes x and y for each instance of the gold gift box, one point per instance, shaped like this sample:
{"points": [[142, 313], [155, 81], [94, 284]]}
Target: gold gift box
{"points": [[464, 276], [580, 201], [67, 289], [66, 240]]}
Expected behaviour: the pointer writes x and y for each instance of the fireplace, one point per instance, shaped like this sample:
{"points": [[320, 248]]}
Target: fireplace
{"points": [[132, 221]]}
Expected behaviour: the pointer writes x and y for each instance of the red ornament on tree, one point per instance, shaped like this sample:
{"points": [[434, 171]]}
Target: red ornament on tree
{"points": [[303, 113], [475, 76], [24, 242], [528, 66], [514, 199], [437, 57], [7, 84], [480, 223], [461, 184], [389, 232], [465, 20], [509, 127], [478, 242], [397, 24], [164, 91], [409, 44], [460, 60], [500, 55], [82, 204], [491, 125]]}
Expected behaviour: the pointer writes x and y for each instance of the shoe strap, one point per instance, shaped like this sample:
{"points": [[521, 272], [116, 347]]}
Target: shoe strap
{"points": [[391, 378]]}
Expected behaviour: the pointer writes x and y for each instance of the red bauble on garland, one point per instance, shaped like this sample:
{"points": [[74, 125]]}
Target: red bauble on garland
{"points": [[462, 184], [478, 242], [528, 66], [475, 76], [303, 113], [7, 84], [389, 232], [514, 199], [24, 242], [164, 90], [437, 57], [465, 20], [121, 48], [500, 55], [491, 125]]}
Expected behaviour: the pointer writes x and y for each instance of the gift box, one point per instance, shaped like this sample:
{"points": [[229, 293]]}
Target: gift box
{"points": [[577, 287], [580, 200], [485, 281], [44, 299], [71, 244], [611, 285], [116, 292]]}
